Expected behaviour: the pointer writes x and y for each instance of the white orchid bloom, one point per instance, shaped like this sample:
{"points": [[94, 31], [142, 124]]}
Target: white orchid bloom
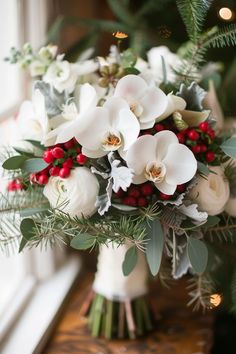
{"points": [[147, 103], [73, 115], [32, 118], [108, 128], [62, 75], [162, 160]]}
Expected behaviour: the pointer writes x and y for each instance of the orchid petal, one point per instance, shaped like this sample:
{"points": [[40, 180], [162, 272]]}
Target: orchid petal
{"points": [[142, 151], [163, 141], [154, 103], [138, 179], [180, 163], [166, 188], [93, 153], [130, 87], [86, 98], [175, 103], [114, 105], [128, 126]]}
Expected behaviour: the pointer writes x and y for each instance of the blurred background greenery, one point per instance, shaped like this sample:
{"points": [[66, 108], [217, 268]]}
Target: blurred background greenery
{"points": [[78, 25]]}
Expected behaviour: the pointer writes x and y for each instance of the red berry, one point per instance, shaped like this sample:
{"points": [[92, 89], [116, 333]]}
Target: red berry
{"points": [[58, 152], [33, 177], [196, 149], [203, 126], [54, 171], [64, 172], [43, 179], [181, 188], [120, 193], [78, 150], [18, 185], [181, 138], [203, 148], [142, 202], [131, 201], [147, 132], [11, 186], [68, 162], [211, 133], [69, 144], [81, 159], [193, 135], [147, 189], [134, 192], [210, 156], [159, 127], [48, 156], [164, 196]]}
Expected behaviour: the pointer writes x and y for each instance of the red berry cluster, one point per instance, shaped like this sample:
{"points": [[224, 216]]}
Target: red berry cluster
{"points": [[15, 185], [141, 195], [61, 159], [201, 141]]}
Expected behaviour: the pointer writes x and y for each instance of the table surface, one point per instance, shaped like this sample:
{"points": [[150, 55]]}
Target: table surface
{"points": [[178, 329]]}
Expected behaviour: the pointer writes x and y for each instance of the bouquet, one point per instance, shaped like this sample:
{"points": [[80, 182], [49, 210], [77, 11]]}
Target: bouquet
{"points": [[126, 155]]}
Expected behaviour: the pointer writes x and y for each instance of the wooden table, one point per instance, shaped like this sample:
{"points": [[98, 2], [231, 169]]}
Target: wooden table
{"points": [[178, 330]]}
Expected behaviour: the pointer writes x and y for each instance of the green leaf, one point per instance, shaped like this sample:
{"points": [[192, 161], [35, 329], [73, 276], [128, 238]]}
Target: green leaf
{"points": [[14, 162], [229, 147], [23, 152], [82, 241], [212, 221], [155, 244], [34, 165], [31, 211], [128, 58], [130, 261], [202, 168], [27, 227], [36, 143], [164, 71], [122, 12], [197, 254], [132, 71]]}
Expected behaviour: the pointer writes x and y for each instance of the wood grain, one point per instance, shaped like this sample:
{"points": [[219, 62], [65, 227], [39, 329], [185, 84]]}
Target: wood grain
{"points": [[178, 330]]}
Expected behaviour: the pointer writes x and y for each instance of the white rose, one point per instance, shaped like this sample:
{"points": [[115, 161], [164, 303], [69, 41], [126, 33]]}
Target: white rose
{"points": [[211, 193], [62, 75], [75, 195], [230, 207]]}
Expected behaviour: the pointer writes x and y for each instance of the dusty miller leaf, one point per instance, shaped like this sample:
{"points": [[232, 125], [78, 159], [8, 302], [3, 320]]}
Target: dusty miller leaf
{"points": [[193, 95], [54, 100]]}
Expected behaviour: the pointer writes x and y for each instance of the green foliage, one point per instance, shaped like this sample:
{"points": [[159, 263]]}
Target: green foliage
{"points": [[82, 241], [229, 147], [197, 254], [14, 162], [130, 261], [155, 245], [27, 228], [200, 289]]}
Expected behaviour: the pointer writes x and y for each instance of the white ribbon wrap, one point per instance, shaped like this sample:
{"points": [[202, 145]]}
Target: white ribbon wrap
{"points": [[109, 279]]}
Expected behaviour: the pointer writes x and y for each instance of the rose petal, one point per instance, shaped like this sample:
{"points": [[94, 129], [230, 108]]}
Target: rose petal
{"points": [[140, 153], [130, 87], [180, 163], [163, 140]]}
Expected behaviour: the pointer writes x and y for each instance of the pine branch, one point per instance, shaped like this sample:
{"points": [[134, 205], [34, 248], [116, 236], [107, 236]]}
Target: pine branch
{"points": [[200, 290], [193, 13]]}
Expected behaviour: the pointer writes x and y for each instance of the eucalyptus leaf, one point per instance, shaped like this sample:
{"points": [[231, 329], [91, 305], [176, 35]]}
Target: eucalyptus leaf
{"points": [[34, 165], [212, 221], [36, 144], [202, 168], [82, 241], [123, 207], [14, 162], [229, 147], [27, 227], [130, 261], [155, 244], [197, 254], [31, 211]]}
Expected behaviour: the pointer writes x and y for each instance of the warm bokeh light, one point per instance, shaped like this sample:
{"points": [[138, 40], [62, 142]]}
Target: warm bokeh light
{"points": [[120, 35], [226, 14], [215, 300]]}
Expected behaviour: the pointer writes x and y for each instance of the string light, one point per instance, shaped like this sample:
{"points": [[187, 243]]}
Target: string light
{"points": [[215, 300], [226, 14]]}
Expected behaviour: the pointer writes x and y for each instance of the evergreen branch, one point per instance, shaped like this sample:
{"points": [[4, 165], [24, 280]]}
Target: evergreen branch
{"points": [[200, 290]]}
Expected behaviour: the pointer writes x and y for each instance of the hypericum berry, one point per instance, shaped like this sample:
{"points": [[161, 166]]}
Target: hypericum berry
{"points": [[58, 152], [19, 185], [120, 193], [64, 172], [69, 144], [11, 187], [211, 133], [181, 138], [196, 149], [48, 156], [147, 189], [164, 196], [203, 126], [54, 171], [147, 132], [210, 156], [134, 192], [131, 201], [159, 127], [68, 163], [142, 202], [81, 159], [203, 148], [181, 188], [43, 179], [193, 135]]}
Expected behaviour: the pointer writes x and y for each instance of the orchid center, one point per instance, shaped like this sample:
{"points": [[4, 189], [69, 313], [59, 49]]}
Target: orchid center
{"points": [[111, 142], [155, 172], [136, 108]]}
